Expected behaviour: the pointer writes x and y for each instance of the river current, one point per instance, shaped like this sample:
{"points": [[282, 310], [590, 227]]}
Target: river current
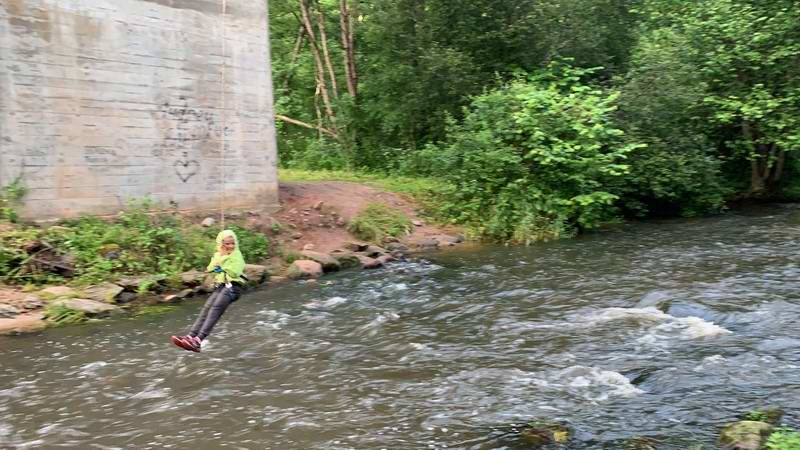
{"points": [[666, 330]]}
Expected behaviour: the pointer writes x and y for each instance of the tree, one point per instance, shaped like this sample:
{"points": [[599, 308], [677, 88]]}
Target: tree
{"points": [[532, 160], [748, 54]]}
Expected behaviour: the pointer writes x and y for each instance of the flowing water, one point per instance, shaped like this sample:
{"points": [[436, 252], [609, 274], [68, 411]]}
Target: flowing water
{"points": [[664, 330]]}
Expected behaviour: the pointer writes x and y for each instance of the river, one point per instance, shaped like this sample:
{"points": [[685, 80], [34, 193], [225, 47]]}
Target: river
{"points": [[666, 330]]}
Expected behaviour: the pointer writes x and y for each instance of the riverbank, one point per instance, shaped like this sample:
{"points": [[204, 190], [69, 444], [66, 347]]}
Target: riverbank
{"points": [[657, 334], [308, 236]]}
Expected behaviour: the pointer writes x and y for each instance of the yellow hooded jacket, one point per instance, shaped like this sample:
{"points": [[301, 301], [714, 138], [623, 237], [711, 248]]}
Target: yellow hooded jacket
{"points": [[232, 265]]}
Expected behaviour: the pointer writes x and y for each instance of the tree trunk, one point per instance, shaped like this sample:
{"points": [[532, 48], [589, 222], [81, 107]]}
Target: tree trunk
{"points": [[348, 40], [779, 166], [295, 52], [318, 63], [317, 110], [325, 54], [757, 163]]}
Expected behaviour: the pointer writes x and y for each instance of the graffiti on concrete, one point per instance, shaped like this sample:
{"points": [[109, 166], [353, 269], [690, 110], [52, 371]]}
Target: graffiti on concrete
{"points": [[187, 130], [185, 168]]}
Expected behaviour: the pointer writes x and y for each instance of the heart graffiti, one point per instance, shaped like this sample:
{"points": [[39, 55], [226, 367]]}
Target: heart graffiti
{"points": [[186, 169]]}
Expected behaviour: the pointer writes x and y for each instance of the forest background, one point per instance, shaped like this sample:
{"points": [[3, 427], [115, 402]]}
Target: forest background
{"points": [[536, 119]]}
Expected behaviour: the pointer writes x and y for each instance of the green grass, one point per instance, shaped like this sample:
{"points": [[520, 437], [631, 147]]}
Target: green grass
{"points": [[377, 221], [420, 188], [59, 315]]}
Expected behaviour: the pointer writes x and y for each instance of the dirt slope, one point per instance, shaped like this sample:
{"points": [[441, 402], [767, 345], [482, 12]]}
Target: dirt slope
{"points": [[307, 221]]}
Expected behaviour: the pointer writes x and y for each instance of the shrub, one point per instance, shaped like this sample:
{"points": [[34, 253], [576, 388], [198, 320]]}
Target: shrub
{"points": [[377, 221], [532, 161], [783, 439], [254, 246], [10, 197], [137, 243]]}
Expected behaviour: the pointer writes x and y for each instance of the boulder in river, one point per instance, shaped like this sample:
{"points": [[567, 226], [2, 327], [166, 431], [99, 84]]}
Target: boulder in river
{"points": [[304, 268], [744, 435], [355, 246], [256, 274], [369, 263], [373, 251], [328, 262], [103, 292], [639, 443], [91, 308], [346, 259], [543, 432], [396, 247], [179, 296]]}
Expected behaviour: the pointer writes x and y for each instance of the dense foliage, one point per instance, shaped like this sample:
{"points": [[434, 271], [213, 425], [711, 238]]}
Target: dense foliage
{"points": [[532, 160], [706, 92], [90, 249]]}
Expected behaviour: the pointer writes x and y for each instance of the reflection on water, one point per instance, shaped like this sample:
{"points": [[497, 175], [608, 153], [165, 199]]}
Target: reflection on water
{"points": [[664, 330]]}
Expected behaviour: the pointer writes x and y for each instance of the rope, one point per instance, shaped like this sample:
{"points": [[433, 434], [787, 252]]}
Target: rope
{"points": [[224, 128]]}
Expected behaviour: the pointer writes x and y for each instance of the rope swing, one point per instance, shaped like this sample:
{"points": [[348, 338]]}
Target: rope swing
{"points": [[223, 131]]}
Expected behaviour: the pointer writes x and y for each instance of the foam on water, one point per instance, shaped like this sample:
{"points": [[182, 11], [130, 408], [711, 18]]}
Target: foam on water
{"points": [[594, 383], [684, 328], [649, 313], [708, 362], [276, 320], [91, 369], [372, 327], [330, 303], [668, 328]]}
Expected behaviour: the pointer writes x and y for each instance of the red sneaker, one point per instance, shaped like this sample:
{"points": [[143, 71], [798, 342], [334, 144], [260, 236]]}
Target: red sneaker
{"points": [[194, 341], [186, 343]]}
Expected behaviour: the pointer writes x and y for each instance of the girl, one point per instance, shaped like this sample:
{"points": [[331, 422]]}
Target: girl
{"points": [[228, 264]]}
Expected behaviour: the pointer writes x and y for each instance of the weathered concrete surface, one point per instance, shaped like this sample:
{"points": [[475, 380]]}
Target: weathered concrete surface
{"points": [[102, 101]]}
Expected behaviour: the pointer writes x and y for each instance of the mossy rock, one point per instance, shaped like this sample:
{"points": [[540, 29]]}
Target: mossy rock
{"points": [[103, 292], [745, 435], [541, 433], [56, 292], [328, 262], [346, 259], [639, 443]]}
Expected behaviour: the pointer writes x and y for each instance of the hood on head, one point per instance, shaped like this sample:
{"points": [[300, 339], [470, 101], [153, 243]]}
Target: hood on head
{"points": [[226, 233]]}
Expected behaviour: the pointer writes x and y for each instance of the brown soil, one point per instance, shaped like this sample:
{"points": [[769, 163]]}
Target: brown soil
{"points": [[317, 213]]}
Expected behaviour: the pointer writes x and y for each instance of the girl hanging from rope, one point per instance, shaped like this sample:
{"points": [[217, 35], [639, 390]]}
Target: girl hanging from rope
{"points": [[228, 264]]}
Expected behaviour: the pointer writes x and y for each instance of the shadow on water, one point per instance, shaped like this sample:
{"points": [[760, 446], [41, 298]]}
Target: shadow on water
{"points": [[663, 330]]}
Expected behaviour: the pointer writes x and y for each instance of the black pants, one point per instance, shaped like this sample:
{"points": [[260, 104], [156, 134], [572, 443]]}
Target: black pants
{"points": [[215, 306]]}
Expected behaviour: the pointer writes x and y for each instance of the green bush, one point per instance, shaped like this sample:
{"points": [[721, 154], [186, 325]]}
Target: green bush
{"points": [[533, 160], [783, 439], [378, 221], [254, 246], [10, 197]]}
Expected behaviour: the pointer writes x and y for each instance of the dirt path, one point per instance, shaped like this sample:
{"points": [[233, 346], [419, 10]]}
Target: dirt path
{"points": [[317, 213]]}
